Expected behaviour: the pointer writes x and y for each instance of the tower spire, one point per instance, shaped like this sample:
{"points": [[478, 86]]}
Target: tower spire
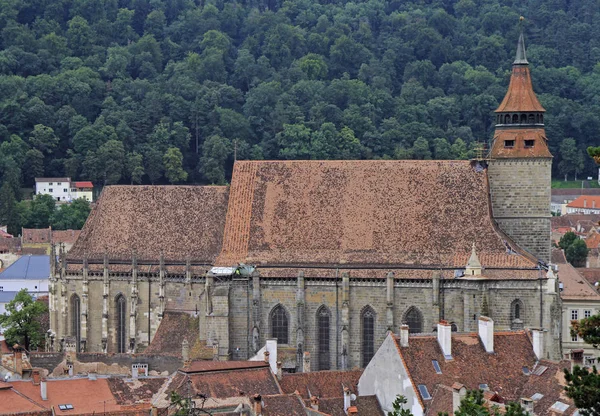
{"points": [[521, 57]]}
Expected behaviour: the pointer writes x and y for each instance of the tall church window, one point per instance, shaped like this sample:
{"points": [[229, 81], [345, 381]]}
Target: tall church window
{"points": [[76, 319], [414, 320], [121, 324], [279, 325], [368, 335], [323, 320], [516, 314]]}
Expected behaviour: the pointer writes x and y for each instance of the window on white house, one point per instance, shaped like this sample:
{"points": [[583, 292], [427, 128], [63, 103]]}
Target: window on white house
{"points": [[574, 315], [1, 288], [587, 313], [574, 338], [65, 190], [50, 190], [59, 183], [50, 183]]}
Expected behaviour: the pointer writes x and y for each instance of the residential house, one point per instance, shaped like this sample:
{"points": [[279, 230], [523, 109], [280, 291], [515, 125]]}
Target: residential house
{"points": [[64, 190], [435, 371], [82, 189], [36, 240], [560, 197], [9, 248], [29, 272], [585, 204]]}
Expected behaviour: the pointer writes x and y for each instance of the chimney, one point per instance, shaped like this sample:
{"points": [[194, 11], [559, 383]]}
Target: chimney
{"points": [[18, 359], [314, 403], [353, 410], [486, 333], [404, 335], [43, 389], [267, 353], [279, 370], [271, 346], [527, 404], [347, 399], [257, 399], [458, 393], [306, 362], [594, 204], [576, 358], [537, 339], [35, 375], [185, 350], [444, 336], [585, 203]]}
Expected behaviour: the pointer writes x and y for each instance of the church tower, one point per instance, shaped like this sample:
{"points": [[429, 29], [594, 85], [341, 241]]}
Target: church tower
{"points": [[520, 167]]}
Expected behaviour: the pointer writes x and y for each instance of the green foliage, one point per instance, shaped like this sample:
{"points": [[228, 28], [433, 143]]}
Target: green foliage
{"points": [[577, 253], [71, 216], [473, 405], [398, 406], [567, 239], [173, 160], [21, 321], [588, 329], [583, 386], [594, 153]]}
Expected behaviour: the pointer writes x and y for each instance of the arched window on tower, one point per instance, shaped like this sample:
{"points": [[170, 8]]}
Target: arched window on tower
{"points": [[531, 119], [121, 307], [368, 335], [279, 325], [323, 332], [517, 311], [414, 319], [523, 118], [515, 119], [76, 319], [507, 119]]}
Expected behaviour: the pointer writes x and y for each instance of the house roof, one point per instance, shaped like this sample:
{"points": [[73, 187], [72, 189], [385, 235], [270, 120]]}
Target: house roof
{"points": [[197, 367], [84, 184], [557, 256], [181, 221], [65, 236], [53, 179], [586, 201], [36, 235], [538, 135], [550, 384], [30, 267], [520, 96], [134, 391], [593, 240], [283, 405], [361, 212], [592, 275], [366, 405], [323, 384], [6, 297], [575, 191], [571, 220], [15, 403], [575, 286], [4, 234]]}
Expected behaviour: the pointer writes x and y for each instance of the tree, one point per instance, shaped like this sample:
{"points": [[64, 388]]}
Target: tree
{"points": [[111, 159], [567, 239], [34, 165], [153, 165], [588, 329], [21, 321], [420, 149], [43, 139], [71, 216], [594, 153], [473, 404], [40, 211], [577, 253], [8, 209], [134, 168], [571, 158], [398, 406], [173, 160], [583, 386]]}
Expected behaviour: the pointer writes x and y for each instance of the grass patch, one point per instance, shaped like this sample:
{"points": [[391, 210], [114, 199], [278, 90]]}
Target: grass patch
{"points": [[557, 184]]}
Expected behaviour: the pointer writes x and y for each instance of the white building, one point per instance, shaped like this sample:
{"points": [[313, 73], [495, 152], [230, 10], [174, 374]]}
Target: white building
{"points": [[30, 272], [63, 190]]}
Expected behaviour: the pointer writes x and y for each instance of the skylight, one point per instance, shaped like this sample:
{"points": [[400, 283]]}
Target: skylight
{"points": [[483, 387], [559, 407], [540, 370], [65, 406], [526, 371], [436, 366], [537, 396], [424, 393]]}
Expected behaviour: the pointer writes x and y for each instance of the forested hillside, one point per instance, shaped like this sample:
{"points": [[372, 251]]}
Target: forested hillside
{"points": [[166, 91]]}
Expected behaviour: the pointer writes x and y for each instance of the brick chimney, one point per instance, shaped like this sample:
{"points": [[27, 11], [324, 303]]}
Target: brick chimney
{"points": [[314, 403], [306, 362], [36, 377], [185, 350], [458, 393], [404, 331], [353, 410], [537, 339], [18, 354], [444, 337], [585, 203], [279, 370], [527, 404], [486, 333], [257, 403]]}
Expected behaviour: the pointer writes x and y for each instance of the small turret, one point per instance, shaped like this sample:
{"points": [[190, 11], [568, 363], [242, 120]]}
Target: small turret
{"points": [[473, 265]]}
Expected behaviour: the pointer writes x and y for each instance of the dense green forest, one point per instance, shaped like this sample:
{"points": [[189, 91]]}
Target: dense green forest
{"points": [[167, 91]]}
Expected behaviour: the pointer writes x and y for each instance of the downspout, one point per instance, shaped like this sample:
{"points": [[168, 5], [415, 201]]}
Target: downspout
{"points": [[337, 322], [541, 303], [149, 306], [248, 318]]}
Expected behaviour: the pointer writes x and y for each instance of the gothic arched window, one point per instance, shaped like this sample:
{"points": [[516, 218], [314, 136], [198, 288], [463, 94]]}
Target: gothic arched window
{"points": [[516, 314], [507, 119], [368, 335], [453, 327], [531, 119], [323, 332], [515, 119], [279, 325], [76, 319], [121, 304], [414, 320], [523, 118]]}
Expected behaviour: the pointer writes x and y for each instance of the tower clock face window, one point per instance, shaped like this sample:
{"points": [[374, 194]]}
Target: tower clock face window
{"points": [[529, 143], [509, 143]]}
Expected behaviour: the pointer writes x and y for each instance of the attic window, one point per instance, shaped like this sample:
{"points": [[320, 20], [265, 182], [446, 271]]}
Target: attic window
{"points": [[529, 143], [65, 406], [424, 393], [436, 366], [509, 143]]}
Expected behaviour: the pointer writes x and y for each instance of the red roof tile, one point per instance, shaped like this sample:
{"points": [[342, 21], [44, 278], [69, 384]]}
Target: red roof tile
{"points": [[322, 384], [592, 275], [36, 235], [360, 212], [575, 286], [283, 405], [65, 236], [551, 385], [213, 366], [558, 256], [593, 240], [366, 405], [12, 402], [182, 221], [538, 135], [84, 184], [520, 96], [586, 201]]}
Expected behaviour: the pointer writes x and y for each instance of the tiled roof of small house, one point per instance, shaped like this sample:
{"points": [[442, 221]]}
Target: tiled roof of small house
{"points": [[322, 384], [539, 148], [586, 201], [36, 235], [571, 220], [558, 256], [134, 391], [361, 212], [551, 385], [592, 275], [366, 405], [283, 405], [575, 286], [180, 221], [593, 240]]}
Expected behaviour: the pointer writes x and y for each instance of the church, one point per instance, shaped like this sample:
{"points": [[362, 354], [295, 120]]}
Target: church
{"points": [[326, 257]]}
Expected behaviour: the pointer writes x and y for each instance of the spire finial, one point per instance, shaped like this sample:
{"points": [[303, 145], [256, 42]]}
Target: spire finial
{"points": [[521, 57]]}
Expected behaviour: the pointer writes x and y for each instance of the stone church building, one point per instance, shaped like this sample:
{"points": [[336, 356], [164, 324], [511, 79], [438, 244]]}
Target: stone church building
{"points": [[324, 256]]}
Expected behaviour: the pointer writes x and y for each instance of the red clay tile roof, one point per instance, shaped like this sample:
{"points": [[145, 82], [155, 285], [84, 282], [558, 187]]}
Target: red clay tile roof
{"points": [[197, 367], [539, 149], [84, 184], [283, 405], [441, 401], [360, 212], [575, 286], [36, 235], [13, 402], [592, 275], [558, 256], [593, 240], [366, 405], [183, 221], [135, 391], [4, 348], [520, 96], [571, 220], [575, 191], [53, 179], [471, 365], [65, 236], [322, 384], [551, 385], [586, 201], [228, 383]]}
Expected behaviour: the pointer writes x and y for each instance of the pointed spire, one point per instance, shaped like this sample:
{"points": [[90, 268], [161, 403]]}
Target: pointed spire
{"points": [[521, 57], [473, 265]]}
